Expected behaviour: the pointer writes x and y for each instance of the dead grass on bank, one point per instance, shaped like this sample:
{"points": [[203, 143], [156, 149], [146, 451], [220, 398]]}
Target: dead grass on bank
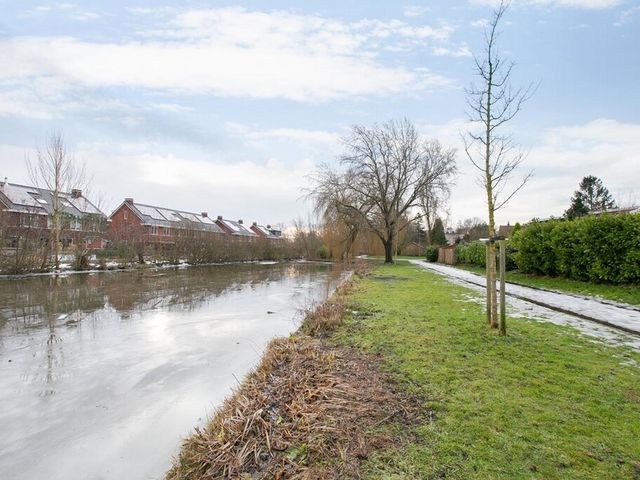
{"points": [[361, 268], [325, 317], [309, 410]]}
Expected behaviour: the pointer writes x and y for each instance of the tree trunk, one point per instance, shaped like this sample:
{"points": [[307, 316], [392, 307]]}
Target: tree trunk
{"points": [[388, 251], [491, 277]]}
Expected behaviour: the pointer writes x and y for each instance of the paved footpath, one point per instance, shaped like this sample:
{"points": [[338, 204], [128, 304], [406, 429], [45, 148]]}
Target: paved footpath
{"points": [[625, 317]]}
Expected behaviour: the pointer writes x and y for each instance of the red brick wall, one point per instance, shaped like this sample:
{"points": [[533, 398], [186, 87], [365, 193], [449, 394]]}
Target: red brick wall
{"points": [[124, 228]]}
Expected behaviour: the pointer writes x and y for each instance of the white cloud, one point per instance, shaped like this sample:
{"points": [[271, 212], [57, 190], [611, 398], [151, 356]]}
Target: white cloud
{"points": [[70, 10], [415, 10], [291, 134], [481, 23], [606, 148], [627, 16], [586, 4], [462, 51], [267, 191], [83, 16], [237, 53]]}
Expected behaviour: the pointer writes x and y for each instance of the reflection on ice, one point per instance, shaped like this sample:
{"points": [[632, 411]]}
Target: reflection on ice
{"points": [[102, 374]]}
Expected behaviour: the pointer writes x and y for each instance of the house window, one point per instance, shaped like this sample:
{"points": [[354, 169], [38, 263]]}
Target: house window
{"points": [[126, 215], [154, 230], [76, 224]]}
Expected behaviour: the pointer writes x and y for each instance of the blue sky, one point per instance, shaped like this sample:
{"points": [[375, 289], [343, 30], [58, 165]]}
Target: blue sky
{"points": [[226, 107]]}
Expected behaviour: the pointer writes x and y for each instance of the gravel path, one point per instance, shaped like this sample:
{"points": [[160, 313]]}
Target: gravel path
{"points": [[620, 316]]}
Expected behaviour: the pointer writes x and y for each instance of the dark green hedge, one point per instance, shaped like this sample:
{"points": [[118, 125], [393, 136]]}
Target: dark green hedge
{"points": [[604, 249], [432, 253], [473, 253]]}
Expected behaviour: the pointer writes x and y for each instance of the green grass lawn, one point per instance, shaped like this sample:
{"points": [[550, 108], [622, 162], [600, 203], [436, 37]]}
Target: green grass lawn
{"points": [[544, 402], [620, 293]]}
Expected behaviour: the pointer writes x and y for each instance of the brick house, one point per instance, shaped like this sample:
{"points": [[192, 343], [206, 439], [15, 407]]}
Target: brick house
{"points": [[28, 211], [157, 226], [267, 232], [236, 229]]}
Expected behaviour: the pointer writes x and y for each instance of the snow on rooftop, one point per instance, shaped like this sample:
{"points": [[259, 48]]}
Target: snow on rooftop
{"points": [[263, 230], [164, 215], [152, 212], [21, 195]]}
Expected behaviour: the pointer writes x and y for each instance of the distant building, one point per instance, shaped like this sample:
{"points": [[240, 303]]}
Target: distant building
{"points": [[266, 232], [28, 208], [133, 221], [617, 211], [236, 229], [505, 230]]}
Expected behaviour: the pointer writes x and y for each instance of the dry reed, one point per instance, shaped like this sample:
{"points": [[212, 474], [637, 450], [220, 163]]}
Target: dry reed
{"points": [[307, 411]]}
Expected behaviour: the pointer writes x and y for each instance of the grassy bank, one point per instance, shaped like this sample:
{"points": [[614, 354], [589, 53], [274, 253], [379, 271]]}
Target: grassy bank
{"points": [[619, 293], [541, 403], [398, 378], [311, 409]]}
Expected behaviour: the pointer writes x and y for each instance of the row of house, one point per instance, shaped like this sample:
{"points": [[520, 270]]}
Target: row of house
{"points": [[27, 209]]}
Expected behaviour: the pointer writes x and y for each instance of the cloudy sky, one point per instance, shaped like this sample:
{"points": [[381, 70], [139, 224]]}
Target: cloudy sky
{"points": [[226, 107]]}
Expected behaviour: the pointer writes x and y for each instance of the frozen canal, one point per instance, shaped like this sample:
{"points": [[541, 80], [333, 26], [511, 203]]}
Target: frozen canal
{"points": [[102, 374]]}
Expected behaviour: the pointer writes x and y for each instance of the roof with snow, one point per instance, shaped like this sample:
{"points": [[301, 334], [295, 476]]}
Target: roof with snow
{"points": [[266, 231], [170, 217], [28, 199], [236, 227]]}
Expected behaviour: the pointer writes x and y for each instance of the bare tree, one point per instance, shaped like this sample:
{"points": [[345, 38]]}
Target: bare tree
{"points": [[435, 195], [492, 104], [56, 170], [385, 170]]}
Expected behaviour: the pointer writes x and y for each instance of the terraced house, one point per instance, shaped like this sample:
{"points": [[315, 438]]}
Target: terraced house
{"points": [[158, 228], [27, 214]]}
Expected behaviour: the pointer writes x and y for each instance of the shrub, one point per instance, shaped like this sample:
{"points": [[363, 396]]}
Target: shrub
{"points": [[597, 249], [432, 253], [323, 252], [474, 253], [471, 254], [534, 249]]}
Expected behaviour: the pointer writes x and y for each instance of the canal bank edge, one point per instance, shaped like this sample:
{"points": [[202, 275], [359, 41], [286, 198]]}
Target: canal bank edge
{"points": [[544, 402], [310, 408]]}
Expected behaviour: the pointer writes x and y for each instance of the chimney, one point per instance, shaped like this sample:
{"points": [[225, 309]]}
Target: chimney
{"points": [[128, 200], [240, 221], [269, 227], [219, 218], [205, 214], [76, 193], [4, 183], [255, 224]]}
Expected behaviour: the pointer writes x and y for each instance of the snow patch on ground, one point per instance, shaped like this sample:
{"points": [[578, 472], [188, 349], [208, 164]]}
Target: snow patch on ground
{"points": [[518, 308]]}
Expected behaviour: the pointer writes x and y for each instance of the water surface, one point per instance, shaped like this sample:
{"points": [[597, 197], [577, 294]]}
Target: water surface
{"points": [[102, 374]]}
